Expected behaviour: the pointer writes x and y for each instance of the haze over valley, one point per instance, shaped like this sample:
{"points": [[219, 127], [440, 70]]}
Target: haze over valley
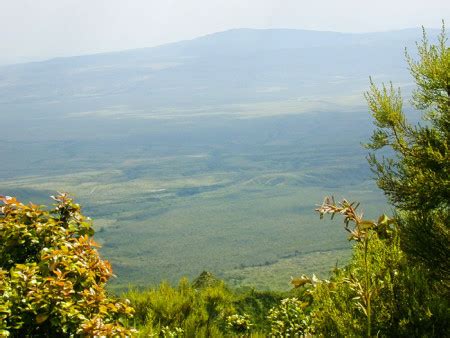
{"points": [[205, 154]]}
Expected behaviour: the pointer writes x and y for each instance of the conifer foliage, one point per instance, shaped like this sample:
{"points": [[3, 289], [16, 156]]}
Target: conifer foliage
{"points": [[416, 176], [52, 280]]}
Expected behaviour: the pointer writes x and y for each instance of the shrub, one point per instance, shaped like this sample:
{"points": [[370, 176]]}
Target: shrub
{"points": [[289, 319], [239, 323], [196, 312], [379, 292], [52, 280]]}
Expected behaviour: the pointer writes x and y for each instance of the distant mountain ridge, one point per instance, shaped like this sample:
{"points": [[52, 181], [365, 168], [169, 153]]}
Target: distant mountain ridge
{"points": [[282, 38], [240, 65]]}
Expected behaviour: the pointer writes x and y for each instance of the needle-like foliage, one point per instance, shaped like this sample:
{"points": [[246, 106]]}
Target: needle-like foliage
{"points": [[416, 177]]}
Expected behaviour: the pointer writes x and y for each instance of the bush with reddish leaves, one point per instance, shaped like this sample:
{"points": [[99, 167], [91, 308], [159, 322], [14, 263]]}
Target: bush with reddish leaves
{"points": [[52, 279]]}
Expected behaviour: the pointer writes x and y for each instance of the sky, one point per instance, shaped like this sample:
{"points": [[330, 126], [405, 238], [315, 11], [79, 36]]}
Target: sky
{"points": [[33, 30]]}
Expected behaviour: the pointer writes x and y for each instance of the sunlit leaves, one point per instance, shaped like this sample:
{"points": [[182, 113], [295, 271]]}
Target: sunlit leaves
{"points": [[51, 277], [289, 318], [190, 310], [240, 324], [379, 290]]}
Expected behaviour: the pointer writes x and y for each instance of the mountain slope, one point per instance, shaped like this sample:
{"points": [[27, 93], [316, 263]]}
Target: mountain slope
{"points": [[240, 65]]}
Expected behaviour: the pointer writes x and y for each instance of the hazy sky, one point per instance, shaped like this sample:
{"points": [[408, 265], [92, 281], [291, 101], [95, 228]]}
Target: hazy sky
{"points": [[39, 29]]}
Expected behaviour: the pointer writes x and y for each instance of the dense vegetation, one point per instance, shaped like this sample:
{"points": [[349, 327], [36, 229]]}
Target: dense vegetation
{"points": [[52, 280], [396, 283], [225, 183], [416, 180]]}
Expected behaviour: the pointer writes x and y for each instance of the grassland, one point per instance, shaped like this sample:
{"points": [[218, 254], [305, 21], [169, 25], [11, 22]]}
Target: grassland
{"points": [[232, 196]]}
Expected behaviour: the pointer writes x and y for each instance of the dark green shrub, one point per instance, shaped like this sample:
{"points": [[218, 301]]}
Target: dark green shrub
{"points": [[379, 292]]}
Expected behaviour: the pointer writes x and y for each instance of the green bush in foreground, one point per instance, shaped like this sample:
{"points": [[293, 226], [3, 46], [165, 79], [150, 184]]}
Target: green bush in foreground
{"points": [[379, 292], [289, 319], [239, 324], [182, 310], [52, 280], [203, 308]]}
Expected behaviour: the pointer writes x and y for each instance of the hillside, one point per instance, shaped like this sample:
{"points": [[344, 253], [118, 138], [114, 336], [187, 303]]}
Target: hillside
{"points": [[242, 65]]}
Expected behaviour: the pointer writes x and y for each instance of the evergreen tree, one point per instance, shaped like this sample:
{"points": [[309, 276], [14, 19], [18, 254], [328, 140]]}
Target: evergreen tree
{"points": [[415, 177]]}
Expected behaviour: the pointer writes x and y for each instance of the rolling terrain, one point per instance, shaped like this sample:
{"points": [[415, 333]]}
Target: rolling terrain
{"points": [[209, 154]]}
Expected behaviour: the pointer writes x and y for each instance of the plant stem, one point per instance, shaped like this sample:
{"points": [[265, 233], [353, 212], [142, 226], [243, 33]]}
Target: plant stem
{"points": [[368, 293]]}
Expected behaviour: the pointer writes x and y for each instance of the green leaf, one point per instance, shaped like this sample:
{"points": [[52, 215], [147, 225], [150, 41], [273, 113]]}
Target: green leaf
{"points": [[40, 318]]}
